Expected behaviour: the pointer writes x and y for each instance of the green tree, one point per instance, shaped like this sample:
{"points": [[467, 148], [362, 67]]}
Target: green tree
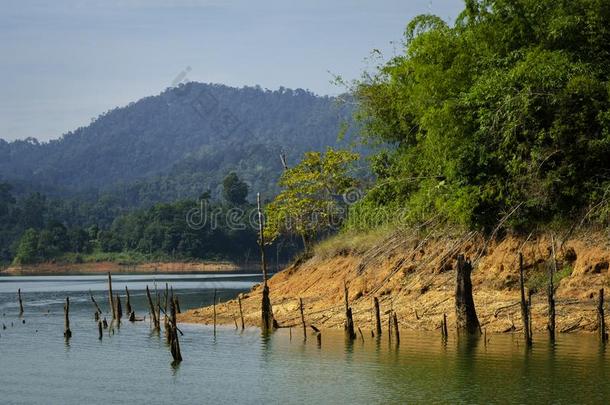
{"points": [[310, 201], [27, 251], [506, 112], [234, 190]]}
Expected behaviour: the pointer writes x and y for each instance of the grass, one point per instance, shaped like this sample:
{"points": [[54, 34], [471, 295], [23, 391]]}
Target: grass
{"points": [[352, 242], [538, 279]]}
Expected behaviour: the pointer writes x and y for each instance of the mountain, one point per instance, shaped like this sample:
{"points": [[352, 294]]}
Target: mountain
{"points": [[179, 144]]}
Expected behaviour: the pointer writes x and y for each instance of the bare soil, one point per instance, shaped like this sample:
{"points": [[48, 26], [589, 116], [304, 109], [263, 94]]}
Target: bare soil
{"points": [[413, 274]]}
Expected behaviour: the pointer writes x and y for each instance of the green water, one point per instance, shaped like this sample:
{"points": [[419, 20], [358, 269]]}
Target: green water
{"points": [[134, 365]]}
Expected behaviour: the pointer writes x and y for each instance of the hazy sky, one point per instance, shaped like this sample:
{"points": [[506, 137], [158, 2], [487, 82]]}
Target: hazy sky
{"points": [[64, 62]]}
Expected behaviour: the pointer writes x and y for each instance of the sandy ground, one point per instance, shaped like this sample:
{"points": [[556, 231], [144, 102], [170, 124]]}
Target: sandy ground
{"points": [[105, 267], [414, 276]]}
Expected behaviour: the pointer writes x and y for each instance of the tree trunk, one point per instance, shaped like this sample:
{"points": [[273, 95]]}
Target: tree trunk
{"points": [[128, 304], [241, 313], [303, 318], [349, 321], [20, 302], [377, 316], [267, 321], [524, 305], [466, 315], [601, 319], [67, 331], [111, 297], [153, 312]]}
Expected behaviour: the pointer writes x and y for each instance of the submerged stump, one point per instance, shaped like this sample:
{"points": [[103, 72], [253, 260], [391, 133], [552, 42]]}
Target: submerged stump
{"points": [[67, 331]]}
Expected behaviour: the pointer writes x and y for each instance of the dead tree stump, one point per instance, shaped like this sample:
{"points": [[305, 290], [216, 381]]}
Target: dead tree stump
{"points": [[303, 318], [98, 311], [444, 329], [267, 321], [128, 303], [525, 305], [377, 316], [601, 319], [396, 333], [119, 309], [350, 333], [99, 330], [153, 312], [67, 331], [466, 314], [20, 302], [173, 331], [111, 297], [241, 313]]}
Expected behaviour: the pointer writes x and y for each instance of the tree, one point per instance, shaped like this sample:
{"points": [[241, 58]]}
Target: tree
{"points": [[234, 191], [310, 201], [507, 111], [27, 251]]}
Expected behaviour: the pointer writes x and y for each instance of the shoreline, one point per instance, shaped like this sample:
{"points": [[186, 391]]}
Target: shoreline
{"points": [[415, 277], [115, 267]]}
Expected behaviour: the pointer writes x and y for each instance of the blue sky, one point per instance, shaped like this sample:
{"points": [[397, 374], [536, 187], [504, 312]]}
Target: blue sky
{"points": [[64, 62]]}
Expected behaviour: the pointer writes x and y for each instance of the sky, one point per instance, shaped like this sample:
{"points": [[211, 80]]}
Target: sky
{"points": [[64, 62]]}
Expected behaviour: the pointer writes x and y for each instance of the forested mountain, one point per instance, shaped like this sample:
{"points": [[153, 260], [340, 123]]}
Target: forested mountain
{"points": [[179, 144]]}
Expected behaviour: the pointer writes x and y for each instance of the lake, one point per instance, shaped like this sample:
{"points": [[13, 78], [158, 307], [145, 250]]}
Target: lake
{"points": [[37, 365]]}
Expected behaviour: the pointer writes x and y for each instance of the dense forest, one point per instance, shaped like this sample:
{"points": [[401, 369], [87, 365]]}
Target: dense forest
{"points": [[502, 119], [178, 144]]}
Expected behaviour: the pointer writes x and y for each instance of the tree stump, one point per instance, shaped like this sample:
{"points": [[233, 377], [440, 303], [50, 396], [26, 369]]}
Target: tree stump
{"points": [[153, 312], [20, 302], [303, 318], [466, 315], [128, 303], [525, 305], [241, 313], [350, 333], [111, 297], [601, 319], [377, 316], [67, 331]]}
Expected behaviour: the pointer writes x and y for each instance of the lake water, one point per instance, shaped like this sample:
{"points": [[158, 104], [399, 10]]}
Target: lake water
{"points": [[37, 366]]}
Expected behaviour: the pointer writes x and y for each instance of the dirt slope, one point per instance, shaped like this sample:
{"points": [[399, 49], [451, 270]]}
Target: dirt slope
{"points": [[414, 274]]}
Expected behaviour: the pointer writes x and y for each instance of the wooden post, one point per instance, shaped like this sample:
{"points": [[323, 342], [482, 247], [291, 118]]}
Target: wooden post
{"points": [[214, 308], [349, 321], [377, 316], [601, 320], [67, 331], [466, 314], [551, 294], [396, 329], [241, 313], [20, 302], [128, 304], [267, 321], [444, 329], [153, 312], [111, 296], [303, 318]]}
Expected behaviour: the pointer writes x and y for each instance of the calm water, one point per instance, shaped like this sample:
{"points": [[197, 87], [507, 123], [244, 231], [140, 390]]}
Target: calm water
{"points": [[134, 365]]}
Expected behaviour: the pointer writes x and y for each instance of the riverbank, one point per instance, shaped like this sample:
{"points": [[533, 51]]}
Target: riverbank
{"points": [[117, 267], [413, 274]]}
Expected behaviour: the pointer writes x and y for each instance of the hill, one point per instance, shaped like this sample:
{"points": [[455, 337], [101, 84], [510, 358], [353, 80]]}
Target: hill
{"points": [[178, 144]]}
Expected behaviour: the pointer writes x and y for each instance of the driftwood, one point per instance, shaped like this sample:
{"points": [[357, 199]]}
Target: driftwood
{"points": [[67, 331], [466, 315], [377, 316]]}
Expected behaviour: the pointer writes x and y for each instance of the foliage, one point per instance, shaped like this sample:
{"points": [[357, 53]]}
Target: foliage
{"points": [[506, 112], [174, 145], [310, 202], [234, 191]]}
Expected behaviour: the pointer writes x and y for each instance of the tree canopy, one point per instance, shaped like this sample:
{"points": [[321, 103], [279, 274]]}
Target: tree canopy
{"points": [[505, 114]]}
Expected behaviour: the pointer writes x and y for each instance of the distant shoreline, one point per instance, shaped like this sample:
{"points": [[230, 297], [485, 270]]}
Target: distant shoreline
{"points": [[117, 267]]}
